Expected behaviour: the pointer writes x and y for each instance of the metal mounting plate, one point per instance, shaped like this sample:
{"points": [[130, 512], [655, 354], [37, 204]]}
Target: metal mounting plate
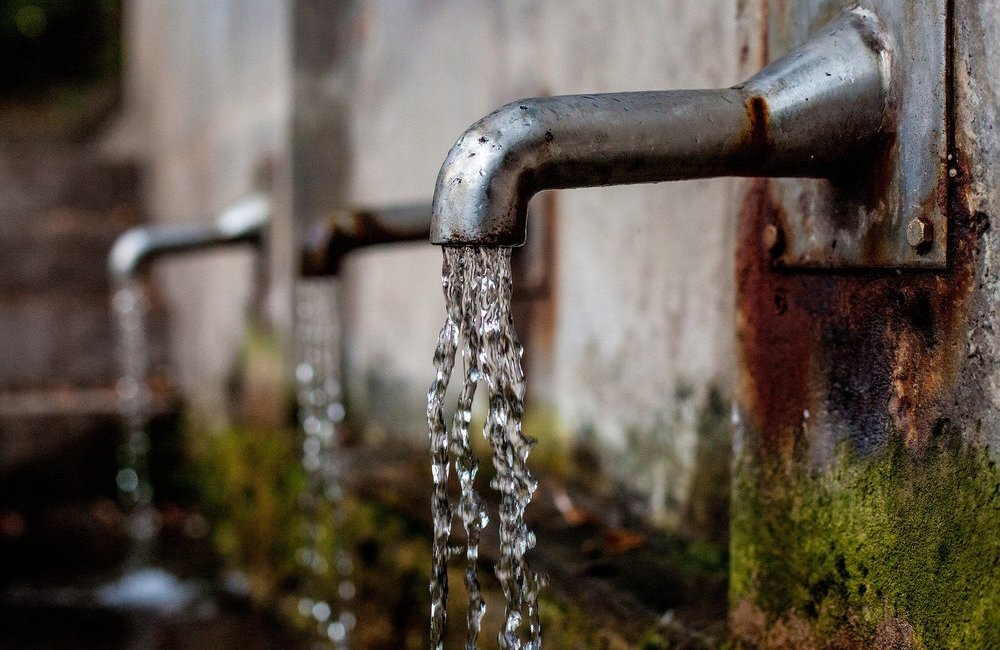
{"points": [[861, 220]]}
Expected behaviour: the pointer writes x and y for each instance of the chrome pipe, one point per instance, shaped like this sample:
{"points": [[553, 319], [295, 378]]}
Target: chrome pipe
{"points": [[806, 115], [243, 222]]}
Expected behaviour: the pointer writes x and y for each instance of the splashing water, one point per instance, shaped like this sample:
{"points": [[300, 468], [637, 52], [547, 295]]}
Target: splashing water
{"points": [[477, 288], [321, 411], [135, 405]]}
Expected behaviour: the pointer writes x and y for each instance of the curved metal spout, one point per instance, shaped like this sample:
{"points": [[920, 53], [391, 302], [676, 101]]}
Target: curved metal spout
{"points": [[242, 222], [343, 231], [804, 115]]}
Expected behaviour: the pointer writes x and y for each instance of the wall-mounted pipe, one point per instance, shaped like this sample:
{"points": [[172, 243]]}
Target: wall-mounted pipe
{"points": [[808, 114], [243, 222], [343, 231]]}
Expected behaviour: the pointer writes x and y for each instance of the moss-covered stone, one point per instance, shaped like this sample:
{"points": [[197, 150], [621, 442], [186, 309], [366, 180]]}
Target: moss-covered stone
{"points": [[892, 546]]}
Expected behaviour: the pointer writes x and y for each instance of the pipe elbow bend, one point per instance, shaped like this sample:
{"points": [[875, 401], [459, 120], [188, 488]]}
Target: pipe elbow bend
{"points": [[128, 253], [487, 179]]}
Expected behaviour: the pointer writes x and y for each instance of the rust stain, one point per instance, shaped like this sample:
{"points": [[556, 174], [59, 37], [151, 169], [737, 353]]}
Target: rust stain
{"points": [[876, 175], [774, 331], [758, 117], [329, 241], [756, 136], [873, 351]]}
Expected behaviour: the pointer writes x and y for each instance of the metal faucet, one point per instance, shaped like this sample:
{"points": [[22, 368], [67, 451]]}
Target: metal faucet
{"points": [[809, 114], [243, 222], [343, 231]]}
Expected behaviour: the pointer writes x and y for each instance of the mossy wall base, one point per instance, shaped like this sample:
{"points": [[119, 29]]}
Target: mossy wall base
{"points": [[868, 552], [866, 503]]}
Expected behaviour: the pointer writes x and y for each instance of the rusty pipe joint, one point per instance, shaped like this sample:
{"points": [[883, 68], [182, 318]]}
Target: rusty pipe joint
{"points": [[808, 114], [243, 222], [343, 231]]}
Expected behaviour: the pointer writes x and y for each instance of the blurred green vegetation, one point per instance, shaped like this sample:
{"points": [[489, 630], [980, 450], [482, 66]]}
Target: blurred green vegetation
{"points": [[250, 481]]}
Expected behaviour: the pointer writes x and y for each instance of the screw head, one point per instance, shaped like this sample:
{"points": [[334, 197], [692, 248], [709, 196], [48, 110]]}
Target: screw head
{"points": [[773, 239], [919, 232]]}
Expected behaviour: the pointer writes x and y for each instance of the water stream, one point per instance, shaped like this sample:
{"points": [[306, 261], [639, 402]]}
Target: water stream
{"points": [[322, 553], [477, 288], [135, 492], [142, 585]]}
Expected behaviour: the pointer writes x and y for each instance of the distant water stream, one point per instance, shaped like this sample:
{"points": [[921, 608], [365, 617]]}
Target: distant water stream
{"points": [[141, 585], [328, 587], [479, 330], [130, 308]]}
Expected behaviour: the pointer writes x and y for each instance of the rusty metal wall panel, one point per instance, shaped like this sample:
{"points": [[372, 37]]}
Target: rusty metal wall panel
{"points": [[893, 213], [865, 506]]}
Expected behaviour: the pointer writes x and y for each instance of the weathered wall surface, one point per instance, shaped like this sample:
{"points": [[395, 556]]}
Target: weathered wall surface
{"points": [[632, 346], [866, 507], [637, 330], [207, 102]]}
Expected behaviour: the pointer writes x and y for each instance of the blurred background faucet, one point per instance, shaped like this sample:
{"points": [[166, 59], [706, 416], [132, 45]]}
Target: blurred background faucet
{"points": [[343, 231], [243, 222]]}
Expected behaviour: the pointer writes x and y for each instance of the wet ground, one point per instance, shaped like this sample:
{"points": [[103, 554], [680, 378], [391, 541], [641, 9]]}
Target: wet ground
{"points": [[59, 557], [48, 621], [612, 581]]}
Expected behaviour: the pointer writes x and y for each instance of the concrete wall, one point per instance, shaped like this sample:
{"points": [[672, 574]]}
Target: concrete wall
{"points": [[632, 349], [207, 104], [637, 331], [865, 510], [642, 276]]}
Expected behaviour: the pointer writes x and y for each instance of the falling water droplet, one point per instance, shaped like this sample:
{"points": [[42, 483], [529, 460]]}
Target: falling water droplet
{"points": [[321, 611], [127, 480]]}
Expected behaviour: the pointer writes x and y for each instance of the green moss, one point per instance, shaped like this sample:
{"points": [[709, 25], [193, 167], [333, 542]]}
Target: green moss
{"points": [[250, 480], [894, 536], [552, 453], [566, 626]]}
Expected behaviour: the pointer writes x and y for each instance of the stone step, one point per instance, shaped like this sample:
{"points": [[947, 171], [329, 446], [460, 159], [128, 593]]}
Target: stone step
{"points": [[63, 208], [61, 213], [64, 441], [39, 180], [56, 339], [57, 454], [64, 249]]}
